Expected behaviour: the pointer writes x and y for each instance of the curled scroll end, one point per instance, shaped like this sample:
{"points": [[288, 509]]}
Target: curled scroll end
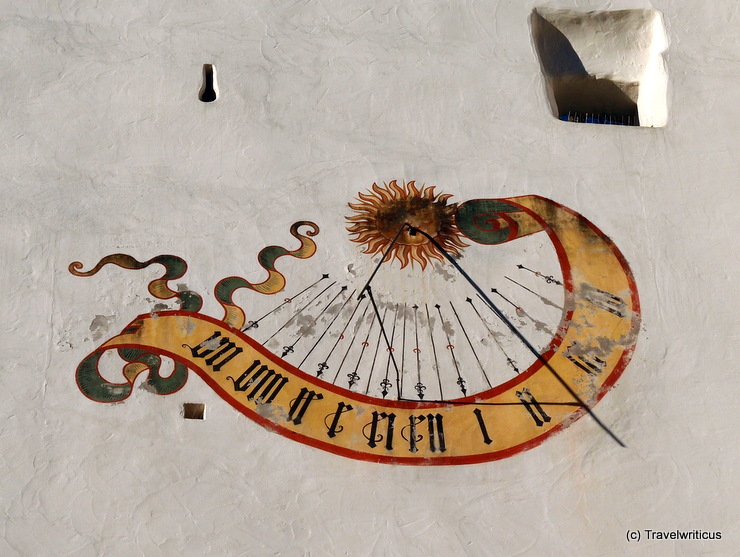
{"points": [[314, 228], [94, 386], [75, 267], [308, 246], [120, 259], [174, 266]]}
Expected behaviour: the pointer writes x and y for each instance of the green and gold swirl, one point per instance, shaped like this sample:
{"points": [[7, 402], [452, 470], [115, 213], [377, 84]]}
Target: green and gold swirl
{"points": [[95, 387], [89, 380], [275, 282], [175, 268]]}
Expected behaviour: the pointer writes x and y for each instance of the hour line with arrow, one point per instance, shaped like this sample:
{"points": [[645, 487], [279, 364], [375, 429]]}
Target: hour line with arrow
{"points": [[354, 377], [385, 384], [545, 301], [325, 364], [420, 388], [451, 348], [403, 352], [326, 330], [375, 354], [509, 361], [472, 348], [255, 324], [549, 279], [369, 291], [297, 313], [539, 325], [349, 347], [434, 351], [290, 348], [516, 332]]}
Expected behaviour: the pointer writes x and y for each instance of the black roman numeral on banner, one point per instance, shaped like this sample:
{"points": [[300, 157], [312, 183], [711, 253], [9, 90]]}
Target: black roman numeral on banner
{"points": [[533, 407], [604, 300], [335, 428], [587, 362], [265, 382], [483, 429], [216, 350], [299, 406], [374, 437], [436, 433], [435, 429]]}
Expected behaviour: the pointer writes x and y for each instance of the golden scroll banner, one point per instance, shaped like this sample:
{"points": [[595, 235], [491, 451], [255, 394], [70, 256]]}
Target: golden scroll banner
{"points": [[284, 399]]}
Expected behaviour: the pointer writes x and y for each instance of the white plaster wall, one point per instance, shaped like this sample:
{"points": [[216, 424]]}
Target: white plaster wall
{"points": [[105, 148]]}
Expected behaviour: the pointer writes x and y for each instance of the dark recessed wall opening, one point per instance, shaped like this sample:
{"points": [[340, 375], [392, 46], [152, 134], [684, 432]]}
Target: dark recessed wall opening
{"points": [[194, 411], [209, 90], [598, 101], [577, 94]]}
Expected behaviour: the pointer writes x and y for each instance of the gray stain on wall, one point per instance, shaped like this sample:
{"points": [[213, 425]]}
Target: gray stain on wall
{"points": [[101, 325]]}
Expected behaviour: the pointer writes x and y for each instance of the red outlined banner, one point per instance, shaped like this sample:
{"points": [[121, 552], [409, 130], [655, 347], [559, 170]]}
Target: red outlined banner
{"points": [[593, 345]]}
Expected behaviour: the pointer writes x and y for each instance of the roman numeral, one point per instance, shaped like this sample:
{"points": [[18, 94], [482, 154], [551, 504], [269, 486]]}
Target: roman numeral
{"points": [[533, 407], [335, 428], [483, 429], [267, 384], [374, 438], [435, 429], [604, 300], [436, 433], [300, 404], [593, 365], [216, 348]]}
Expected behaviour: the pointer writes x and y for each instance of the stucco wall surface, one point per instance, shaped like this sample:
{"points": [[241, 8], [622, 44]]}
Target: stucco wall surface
{"points": [[107, 149]]}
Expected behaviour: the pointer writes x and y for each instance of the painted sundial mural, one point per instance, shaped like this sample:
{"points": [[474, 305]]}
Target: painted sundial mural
{"points": [[480, 328]]}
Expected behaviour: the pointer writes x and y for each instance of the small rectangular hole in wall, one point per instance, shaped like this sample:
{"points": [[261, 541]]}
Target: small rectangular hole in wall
{"points": [[603, 67], [194, 411]]}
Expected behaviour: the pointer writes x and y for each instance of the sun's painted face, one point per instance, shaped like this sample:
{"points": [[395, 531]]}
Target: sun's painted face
{"points": [[380, 215]]}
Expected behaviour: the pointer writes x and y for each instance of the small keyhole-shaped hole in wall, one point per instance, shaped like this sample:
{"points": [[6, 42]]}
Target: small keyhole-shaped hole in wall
{"points": [[194, 411], [209, 92]]}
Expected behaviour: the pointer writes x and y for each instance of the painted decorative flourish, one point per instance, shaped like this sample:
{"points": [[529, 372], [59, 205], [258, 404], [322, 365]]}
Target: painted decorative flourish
{"points": [[351, 371], [380, 214]]}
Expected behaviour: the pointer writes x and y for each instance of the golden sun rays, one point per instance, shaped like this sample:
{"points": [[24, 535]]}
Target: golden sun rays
{"points": [[381, 212]]}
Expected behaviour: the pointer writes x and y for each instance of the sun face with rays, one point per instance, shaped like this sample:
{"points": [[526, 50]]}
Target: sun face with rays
{"points": [[381, 212]]}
